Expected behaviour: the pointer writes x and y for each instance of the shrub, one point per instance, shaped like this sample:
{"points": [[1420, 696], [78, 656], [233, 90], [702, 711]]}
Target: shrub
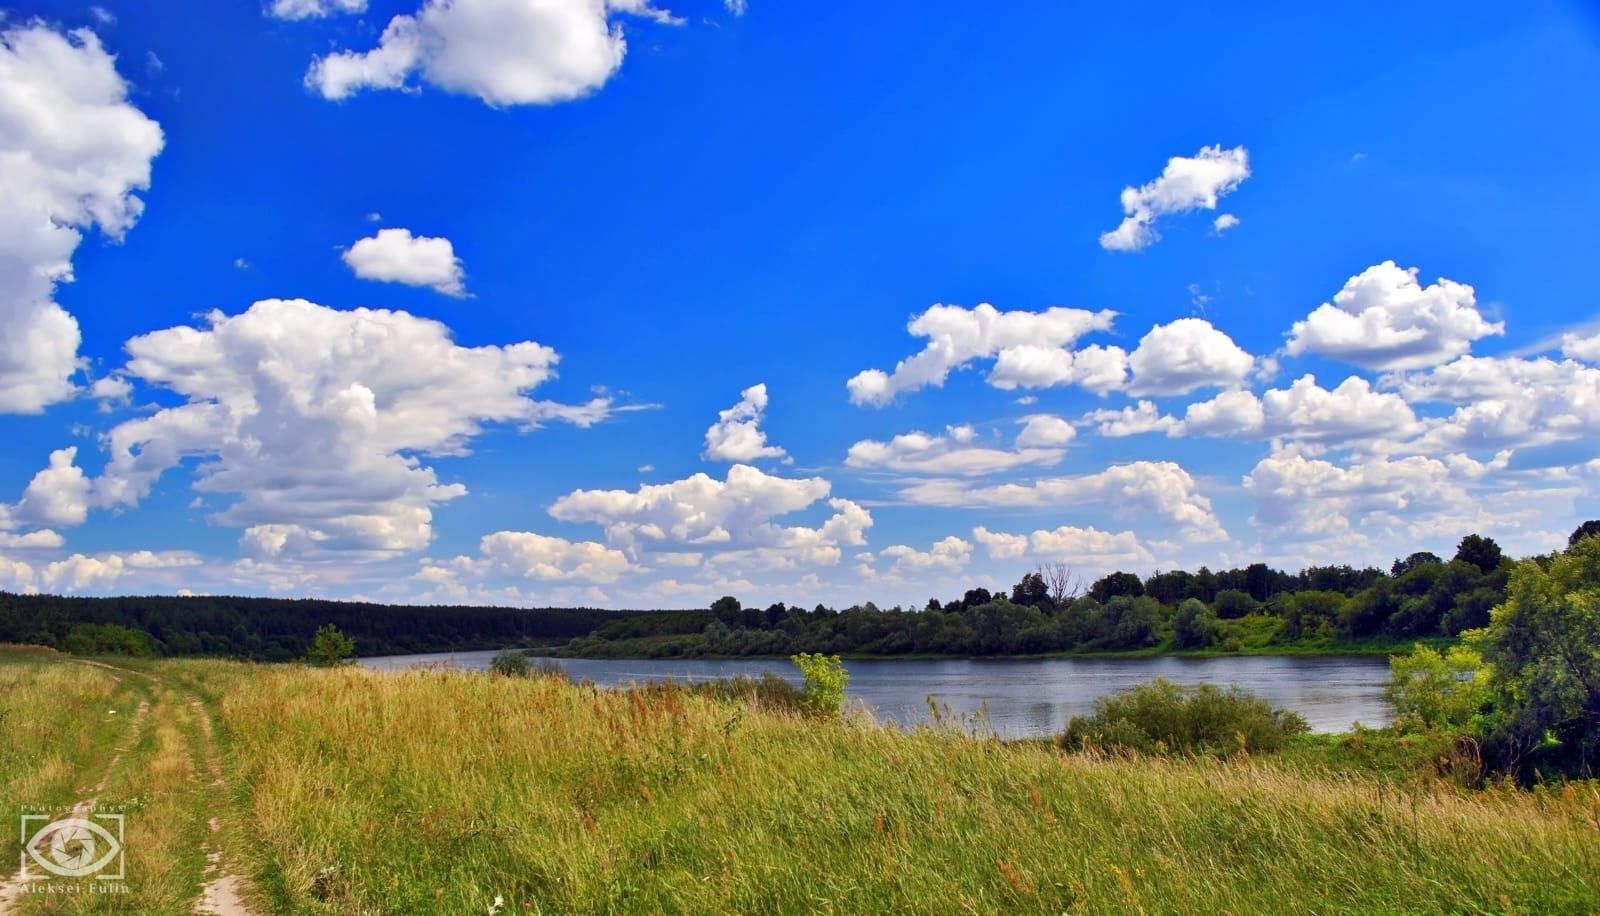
{"points": [[510, 663], [1232, 603], [1195, 626], [1163, 718], [825, 680], [1438, 690], [330, 647], [109, 639]]}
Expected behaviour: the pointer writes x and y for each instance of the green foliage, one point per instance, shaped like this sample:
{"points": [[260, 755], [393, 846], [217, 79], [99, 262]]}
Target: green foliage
{"points": [[1589, 528], [1163, 718], [1232, 603], [1194, 626], [109, 639], [1446, 691], [510, 663], [1116, 585], [1543, 646], [1311, 614], [1481, 552], [330, 647], [825, 679]]}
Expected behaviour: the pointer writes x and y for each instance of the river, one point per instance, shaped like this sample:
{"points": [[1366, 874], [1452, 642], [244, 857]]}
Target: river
{"points": [[1019, 697]]}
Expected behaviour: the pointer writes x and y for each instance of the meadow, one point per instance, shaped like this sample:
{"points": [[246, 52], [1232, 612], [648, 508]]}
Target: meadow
{"points": [[341, 791]]}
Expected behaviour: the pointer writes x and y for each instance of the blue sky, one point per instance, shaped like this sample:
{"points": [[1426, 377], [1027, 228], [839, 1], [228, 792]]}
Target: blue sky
{"points": [[685, 200]]}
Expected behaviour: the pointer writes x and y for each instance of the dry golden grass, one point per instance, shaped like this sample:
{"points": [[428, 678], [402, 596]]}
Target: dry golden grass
{"points": [[429, 792]]}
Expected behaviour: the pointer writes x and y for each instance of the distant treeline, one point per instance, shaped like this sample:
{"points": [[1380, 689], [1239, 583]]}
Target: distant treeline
{"points": [[1253, 608], [275, 629]]}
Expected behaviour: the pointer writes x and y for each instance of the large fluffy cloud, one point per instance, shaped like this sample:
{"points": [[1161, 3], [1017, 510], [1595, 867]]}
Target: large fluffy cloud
{"points": [[1507, 402], [1351, 414], [1021, 341], [955, 452], [1579, 346], [1161, 489], [525, 555], [1186, 354], [1377, 500], [735, 517], [73, 151], [505, 52], [397, 256], [1384, 318], [737, 434], [1187, 183], [316, 420]]}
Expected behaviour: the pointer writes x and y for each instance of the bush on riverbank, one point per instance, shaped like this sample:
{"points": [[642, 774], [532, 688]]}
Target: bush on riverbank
{"points": [[1163, 718]]}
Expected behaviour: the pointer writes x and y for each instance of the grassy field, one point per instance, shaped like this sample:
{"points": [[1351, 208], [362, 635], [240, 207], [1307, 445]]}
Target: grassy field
{"points": [[346, 791]]}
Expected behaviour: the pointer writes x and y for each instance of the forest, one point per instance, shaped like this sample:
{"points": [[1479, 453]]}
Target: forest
{"points": [[1421, 597], [276, 629]]}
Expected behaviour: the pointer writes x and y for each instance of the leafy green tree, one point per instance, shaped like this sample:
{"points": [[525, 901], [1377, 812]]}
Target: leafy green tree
{"points": [[1420, 558], [1481, 552], [1543, 646], [727, 610], [1116, 585], [1589, 528], [1439, 690], [330, 647], [1031, 591], [1194, 626], [1232, 603], [825, 679]]}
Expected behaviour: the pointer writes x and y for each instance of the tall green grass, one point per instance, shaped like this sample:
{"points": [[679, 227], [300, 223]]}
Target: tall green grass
{"points": [[441, 791]]}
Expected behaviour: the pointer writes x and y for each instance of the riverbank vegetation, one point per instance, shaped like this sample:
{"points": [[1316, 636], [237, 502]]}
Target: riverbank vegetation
{"points": [[1255, 609]]}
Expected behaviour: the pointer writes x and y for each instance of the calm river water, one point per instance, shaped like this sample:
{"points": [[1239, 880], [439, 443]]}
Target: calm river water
{"points": [[1021, 697]]}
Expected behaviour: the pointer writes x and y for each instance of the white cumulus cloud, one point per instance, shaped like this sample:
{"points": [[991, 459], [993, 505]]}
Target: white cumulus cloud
{"points": [[737, 435], [957, 336], [1161, 489], [1384, 318], [1187, 183], [73, 151], [1186, 354], [397, 256], [317, 421], [505, 52]]}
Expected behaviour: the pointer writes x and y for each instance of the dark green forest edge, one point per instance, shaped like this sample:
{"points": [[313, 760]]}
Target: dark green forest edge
{"points": [[1253, 610], [1257, 610]]}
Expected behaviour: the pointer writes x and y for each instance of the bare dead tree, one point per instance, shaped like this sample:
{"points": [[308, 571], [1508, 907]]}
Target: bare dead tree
{"points": [[1060, 582]]}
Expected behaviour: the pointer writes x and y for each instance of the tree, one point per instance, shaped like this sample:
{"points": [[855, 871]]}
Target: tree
{"points": [[1232, 603], [1589, 528], [1195, 626], [825, 679], [330, 647], [1031, 591], [1420, 558], [1060, 583], [727, 610], [1543, 648], [1481, 552], [1116, 585]]}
